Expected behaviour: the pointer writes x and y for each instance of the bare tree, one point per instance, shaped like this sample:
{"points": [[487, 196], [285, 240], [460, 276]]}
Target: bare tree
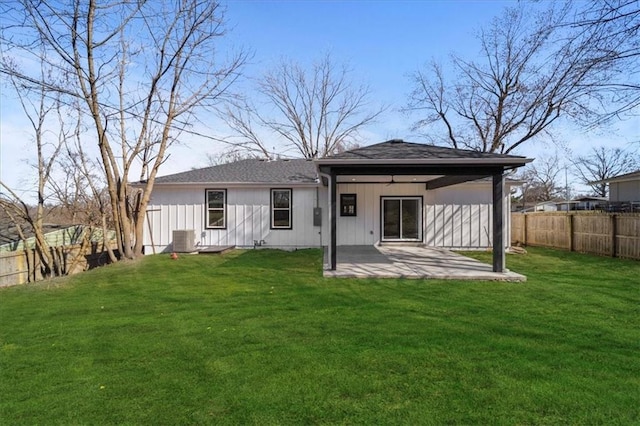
{"points": [[141, 70], [230, 156], [82, 193], [542, 180], [611, 29], [315, 111], [244, 120], [38, 108], [529, 75], [602, 163]]}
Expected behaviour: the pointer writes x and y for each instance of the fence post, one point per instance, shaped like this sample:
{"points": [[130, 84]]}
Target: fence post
{"points": [[614, 232], [570, 226], [524, 229], [34, 261]]}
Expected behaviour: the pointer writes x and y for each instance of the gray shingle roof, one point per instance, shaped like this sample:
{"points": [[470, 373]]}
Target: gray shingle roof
{"points": [[304, 171], [9, 234], [249, 171], [398, 149]]}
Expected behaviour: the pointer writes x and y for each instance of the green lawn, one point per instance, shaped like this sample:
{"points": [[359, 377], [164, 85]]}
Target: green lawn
{"points": [[259, 337]]}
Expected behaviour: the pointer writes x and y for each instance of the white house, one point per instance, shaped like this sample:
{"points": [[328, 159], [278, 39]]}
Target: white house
{"points": [[579, 203], [394, 192], [624, 188]]}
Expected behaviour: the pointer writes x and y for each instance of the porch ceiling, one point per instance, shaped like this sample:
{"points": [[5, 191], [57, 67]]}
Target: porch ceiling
{"points": [[386, 178], [434, 176], [413, 169]]}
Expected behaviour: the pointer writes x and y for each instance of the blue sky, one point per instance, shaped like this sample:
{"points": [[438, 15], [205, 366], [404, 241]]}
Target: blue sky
{"points": [[383, 41]]}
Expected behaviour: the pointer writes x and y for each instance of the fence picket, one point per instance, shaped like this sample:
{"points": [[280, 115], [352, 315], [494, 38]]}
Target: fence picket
{"points": [[14, 265], [606, 234]]}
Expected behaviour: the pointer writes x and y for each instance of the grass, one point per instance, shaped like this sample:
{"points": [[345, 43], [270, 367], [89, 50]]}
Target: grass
{"points": [[259, 337]]}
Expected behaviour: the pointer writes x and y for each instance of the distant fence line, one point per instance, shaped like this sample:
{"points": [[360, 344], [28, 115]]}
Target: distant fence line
{"points": [[605, 234], [22, 266]]}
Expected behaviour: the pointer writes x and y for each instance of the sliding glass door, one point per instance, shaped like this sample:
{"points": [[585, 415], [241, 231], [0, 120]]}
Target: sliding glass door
{"points": [[401, 218]]}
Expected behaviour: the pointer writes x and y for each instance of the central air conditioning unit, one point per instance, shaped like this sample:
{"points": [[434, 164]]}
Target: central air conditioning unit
{"points": [[184, 241]]}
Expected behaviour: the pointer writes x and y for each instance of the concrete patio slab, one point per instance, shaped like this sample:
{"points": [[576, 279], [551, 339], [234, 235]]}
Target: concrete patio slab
{"points": [[394, 261]]}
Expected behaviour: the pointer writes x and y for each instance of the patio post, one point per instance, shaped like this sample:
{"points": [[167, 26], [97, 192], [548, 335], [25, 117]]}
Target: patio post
{"points": [[498, 223], [333, 215]]}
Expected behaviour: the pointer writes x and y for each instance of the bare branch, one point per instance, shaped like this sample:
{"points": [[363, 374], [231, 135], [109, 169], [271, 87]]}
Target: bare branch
{"points": [[542, 180], [533, 71], [140, 70], [316, 111], [603, 163]]}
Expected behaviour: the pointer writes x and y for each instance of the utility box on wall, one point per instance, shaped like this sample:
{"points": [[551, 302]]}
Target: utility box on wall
{"points": [[317, 216]]}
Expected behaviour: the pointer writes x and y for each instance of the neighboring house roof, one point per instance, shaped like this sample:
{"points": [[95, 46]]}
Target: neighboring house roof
{"points": [[9, 234], [54, 235], [397, 149], [620, 178], [587, 198], [575, 203], [248, 171]]}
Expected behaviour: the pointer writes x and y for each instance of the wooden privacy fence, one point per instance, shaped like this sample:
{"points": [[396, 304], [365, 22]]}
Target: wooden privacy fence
{"points": [[606, 234], [15, 265]]}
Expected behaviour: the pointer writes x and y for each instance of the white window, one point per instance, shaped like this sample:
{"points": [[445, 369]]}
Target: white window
{"points": [[281, 209], [216, 208]]}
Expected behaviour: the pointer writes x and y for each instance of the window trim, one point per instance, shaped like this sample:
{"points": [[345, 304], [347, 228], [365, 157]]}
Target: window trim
{"points": [[207, 209], [343, 205], [272, 209]]}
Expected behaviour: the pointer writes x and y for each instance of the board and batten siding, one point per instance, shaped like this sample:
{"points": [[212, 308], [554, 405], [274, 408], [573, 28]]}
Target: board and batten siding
{"points": [[624, 191], [364, 229], [248, 217], [458, 216]]}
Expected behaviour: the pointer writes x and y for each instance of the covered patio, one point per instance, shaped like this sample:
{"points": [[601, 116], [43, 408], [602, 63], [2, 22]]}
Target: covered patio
{"points": [[435, 168], [418, 262]]}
